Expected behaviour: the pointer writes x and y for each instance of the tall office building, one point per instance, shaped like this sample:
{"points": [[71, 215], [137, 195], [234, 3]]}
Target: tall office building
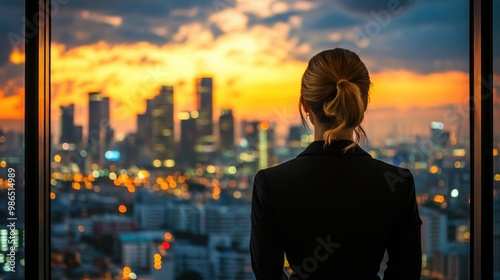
{"points": [[186, 155], [226, 130], [67, 124], [105, 123], [144, 122], [258, 139], [439, 136], [434, 236], [162, 128], [204, 123], [78, 134], [250, 134], [265, 137], [135, 248], [100, 134], [144, 135]]}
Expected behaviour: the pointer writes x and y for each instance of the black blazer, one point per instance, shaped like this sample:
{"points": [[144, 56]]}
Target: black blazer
{"points": [[334, 215]]}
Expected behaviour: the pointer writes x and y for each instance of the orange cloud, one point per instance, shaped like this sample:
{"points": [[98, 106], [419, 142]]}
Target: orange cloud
{"points": [[12, 99], [244, 65], [12, 106], [111, 20], [252, 70]]}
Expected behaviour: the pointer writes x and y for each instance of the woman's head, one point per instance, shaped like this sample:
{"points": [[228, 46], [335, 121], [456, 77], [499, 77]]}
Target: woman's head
{"points": [[335, 90]]}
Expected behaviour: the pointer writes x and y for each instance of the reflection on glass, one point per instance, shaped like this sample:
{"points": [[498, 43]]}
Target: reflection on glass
{"points": [[163, 112], [12, 251], [496, 139]]}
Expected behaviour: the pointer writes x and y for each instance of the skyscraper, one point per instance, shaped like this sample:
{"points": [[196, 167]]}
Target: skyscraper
{"points": [[438, 135], [250, 134], [105, 123], [258, 138], [204, 123], [265, 145], [144, 134], [144, 124], [78, 134], [100, 134], [162, 128], [188, 138], [226, 130], [67, 125]]}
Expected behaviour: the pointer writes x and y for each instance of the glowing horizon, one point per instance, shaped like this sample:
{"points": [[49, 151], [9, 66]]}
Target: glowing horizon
{"points": [[136, 72], [255, 53]]}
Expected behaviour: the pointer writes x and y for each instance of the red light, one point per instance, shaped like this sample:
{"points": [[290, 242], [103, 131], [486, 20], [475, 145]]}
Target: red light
{"points": [[165, 245]]}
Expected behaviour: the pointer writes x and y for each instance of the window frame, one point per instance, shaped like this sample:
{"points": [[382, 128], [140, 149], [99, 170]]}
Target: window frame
{"points": [[481, 138], [37, 139]]}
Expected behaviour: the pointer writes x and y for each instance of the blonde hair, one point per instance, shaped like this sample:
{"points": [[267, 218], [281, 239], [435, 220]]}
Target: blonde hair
{"points": [[335, 87]]}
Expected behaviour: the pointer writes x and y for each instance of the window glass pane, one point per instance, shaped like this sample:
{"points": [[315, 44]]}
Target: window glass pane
{"points": [[424, 123], [162, 112], [12, 22], [496, 141]]}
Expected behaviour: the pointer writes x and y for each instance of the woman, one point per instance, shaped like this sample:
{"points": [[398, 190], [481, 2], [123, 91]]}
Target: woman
{"points": [[334, 210]]}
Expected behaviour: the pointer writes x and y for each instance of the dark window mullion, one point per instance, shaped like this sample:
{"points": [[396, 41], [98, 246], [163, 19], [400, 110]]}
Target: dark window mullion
{"points": [[481, 129], [37, 140]]}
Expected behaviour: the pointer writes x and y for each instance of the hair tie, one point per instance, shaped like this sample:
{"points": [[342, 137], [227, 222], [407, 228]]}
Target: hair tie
{"points": [[341, 81]]}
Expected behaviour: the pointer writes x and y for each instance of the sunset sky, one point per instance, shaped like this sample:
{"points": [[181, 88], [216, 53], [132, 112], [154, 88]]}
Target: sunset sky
{"points": [[256, 52]]}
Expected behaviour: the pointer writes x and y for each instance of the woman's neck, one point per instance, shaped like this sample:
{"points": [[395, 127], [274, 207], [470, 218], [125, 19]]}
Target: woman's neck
{"points": [[320, 129]]}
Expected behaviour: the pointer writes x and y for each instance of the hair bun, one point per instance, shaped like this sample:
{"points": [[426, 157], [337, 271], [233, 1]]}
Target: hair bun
{"points": [[339, 82]]}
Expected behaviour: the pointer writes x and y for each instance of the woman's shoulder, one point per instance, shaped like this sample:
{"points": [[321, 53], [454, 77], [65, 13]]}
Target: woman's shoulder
{"points": [[278, 169]]}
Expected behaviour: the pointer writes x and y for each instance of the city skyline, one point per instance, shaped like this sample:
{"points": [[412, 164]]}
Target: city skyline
{"points": [[453, 117], [255, 53]]}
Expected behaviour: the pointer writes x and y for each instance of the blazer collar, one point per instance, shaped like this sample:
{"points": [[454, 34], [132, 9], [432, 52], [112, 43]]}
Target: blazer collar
{"points": [[335, 148]]}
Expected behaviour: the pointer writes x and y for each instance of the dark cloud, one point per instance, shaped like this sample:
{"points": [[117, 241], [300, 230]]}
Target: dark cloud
{"points": [[282, 17], [216, 31], [429, 37], [138, 20], [144, 8], [328, 19], [11, 28], [427, 50], [365, 8], [423, 36]]}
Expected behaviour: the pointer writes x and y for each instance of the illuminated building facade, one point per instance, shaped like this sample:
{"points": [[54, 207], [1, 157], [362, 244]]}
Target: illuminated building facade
{"points": [[162, 128], [99, 134], [439, 136], [226, 130], [204, 123], [8, 240], [265, 145], [105, 123], [144, 135], [135, 249]]}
